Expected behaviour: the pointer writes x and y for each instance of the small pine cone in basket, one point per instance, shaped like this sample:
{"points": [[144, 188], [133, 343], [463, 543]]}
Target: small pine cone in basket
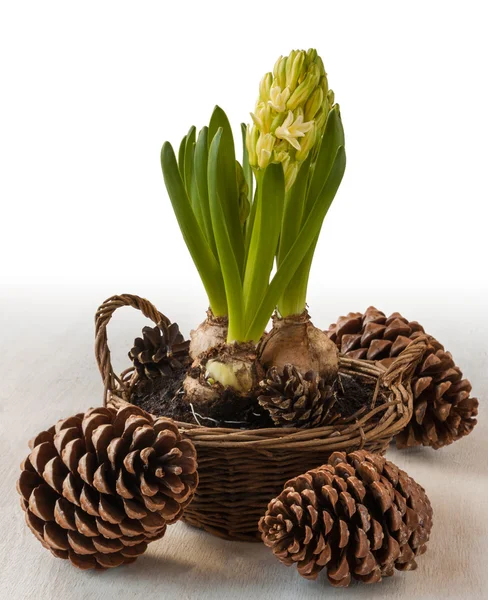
{"points": [[160, 351], [98, 487], [295, 400], [443, 411], [359, 516]]}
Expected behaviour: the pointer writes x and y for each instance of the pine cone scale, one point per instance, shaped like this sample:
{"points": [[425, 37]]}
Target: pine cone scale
{"points": [[351, 341]]}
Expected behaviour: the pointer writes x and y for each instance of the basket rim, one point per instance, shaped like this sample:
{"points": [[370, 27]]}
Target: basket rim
{"points": [[395, 380], [396, 413]]}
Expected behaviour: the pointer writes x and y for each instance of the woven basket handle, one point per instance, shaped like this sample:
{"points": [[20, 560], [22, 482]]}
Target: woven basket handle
{"points": [[403, 367], [102, 318]]}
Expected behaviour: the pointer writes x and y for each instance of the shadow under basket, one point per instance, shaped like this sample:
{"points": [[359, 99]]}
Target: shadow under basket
{"points": [[240, 471]]}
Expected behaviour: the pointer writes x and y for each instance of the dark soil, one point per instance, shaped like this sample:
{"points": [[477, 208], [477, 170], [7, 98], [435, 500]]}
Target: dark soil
{"points": [[355, 396], [164, 397]]}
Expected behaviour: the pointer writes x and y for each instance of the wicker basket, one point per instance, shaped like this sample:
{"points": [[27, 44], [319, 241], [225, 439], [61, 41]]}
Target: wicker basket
{"points": [[241, 470]]}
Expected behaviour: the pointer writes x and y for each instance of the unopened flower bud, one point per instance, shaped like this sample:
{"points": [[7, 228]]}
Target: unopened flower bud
{"points": [[291, 172], [279, 72], [312, 55], [314, 103], [264, 149], [330, 98], [281, 155], [306, 144], [252, 135], [321, 118], [294, 68], [265, 86], [262, 117], [305, 89]]}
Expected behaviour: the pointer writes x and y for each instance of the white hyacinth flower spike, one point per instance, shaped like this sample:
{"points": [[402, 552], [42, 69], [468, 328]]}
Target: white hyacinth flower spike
{"points": [[290, 114]]}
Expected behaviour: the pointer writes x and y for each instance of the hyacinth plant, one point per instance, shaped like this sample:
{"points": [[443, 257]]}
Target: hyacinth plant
{"points": [[241, 219]]}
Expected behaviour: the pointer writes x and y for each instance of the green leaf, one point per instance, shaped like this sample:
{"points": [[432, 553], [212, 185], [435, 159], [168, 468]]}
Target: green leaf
{"points": [[227, 182], [181, 157], [204, 260], [195, 201], [245, 163], [301, 246], [294, 209], [189, 154], [243, 189], [225, 250], [332, 138], [264, 238], [201, 167]]}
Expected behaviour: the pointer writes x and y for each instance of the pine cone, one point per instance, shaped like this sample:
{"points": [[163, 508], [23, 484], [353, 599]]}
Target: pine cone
{"points": [[295, 400], [98, 487], [160, 351], [358, 516], [443, 410]]}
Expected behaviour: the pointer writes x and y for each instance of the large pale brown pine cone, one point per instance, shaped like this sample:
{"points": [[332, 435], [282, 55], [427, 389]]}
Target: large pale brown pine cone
{"points": [[295, 400], [98, 487], [443, 411], [160, 351], [359, 516]]}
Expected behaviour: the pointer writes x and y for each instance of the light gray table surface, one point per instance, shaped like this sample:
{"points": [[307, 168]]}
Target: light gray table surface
{"points": [[48, 372]]}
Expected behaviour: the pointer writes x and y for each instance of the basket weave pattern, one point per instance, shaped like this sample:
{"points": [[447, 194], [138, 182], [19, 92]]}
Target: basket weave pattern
{"points": [[242, 470]]}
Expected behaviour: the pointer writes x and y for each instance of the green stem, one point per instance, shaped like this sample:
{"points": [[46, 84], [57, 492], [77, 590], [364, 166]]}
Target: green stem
{"points": [[294, 299], [294, 210]]}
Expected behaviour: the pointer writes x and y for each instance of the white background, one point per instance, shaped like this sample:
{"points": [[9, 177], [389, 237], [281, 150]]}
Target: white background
{"points": [[92, 89], [89, 92]]}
